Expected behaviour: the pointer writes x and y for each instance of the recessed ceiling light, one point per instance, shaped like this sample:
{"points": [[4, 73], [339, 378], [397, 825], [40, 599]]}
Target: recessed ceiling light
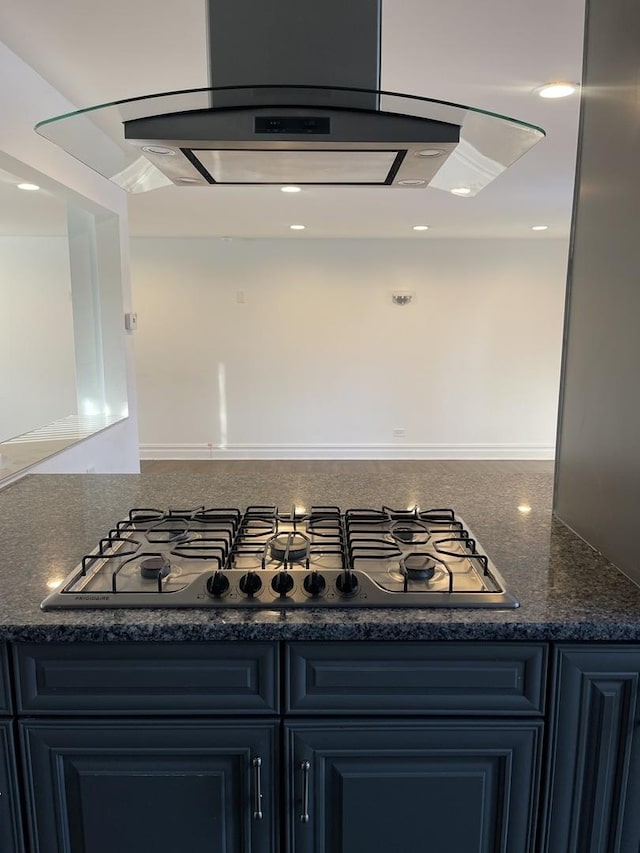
{"points": [[429, 152], [556, 90], [461, 191], [289, 189], [30, 187], [297, 227], [539, 227], [412, 182], [157, 149], [525, 509], [420, 227]]}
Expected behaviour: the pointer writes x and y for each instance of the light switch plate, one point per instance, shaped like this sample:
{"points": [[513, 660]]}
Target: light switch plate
{"points": [[131, 321]]}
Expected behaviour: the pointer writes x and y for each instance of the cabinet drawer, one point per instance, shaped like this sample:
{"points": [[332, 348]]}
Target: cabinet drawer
{"points": [[153, 678], [406, 678], [5, 693]]}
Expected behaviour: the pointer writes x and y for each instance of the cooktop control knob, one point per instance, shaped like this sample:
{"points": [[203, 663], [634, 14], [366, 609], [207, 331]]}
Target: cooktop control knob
{"points": [[347, 583], [314, 583], [282, 583], [250, 584], [217, 584]]}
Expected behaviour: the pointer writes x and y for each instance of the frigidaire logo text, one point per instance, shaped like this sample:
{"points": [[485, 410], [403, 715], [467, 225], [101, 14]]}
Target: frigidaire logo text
{"points": [[92, 597]]}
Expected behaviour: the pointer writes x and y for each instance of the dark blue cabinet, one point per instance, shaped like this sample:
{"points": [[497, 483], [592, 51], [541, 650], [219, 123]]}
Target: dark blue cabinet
{"points": [[119, 786], [594, 752], [11, 837], [387, 746], [433, 747], [404, 785], [413, 746], [10, 828]]}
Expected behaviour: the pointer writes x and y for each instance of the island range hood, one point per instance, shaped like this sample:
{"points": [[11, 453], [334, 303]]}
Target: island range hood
{"points": [[295, 98]]}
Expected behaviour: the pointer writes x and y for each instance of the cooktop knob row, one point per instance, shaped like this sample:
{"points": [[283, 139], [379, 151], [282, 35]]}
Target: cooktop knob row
{"points": [[282, 583]]}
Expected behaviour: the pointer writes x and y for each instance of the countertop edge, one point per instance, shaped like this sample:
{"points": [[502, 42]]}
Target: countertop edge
{"points": [[542, 632]]}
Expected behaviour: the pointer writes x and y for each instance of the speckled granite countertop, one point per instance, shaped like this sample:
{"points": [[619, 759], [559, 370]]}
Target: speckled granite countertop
{"points": [[566, 590]]}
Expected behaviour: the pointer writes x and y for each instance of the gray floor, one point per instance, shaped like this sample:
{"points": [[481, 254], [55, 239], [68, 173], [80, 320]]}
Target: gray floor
{"points": [[374, 467]]}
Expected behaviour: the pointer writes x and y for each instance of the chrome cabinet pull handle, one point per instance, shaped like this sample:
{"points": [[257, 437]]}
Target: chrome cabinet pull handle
{"points": [[257, 788], [305, 766]]}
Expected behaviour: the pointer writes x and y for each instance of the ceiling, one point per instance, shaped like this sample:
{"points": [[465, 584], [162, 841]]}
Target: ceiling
{"points": [[490, 54]]}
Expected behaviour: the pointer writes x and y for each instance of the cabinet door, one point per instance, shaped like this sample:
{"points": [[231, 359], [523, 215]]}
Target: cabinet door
{"points": [[10, 831], [438, 786], [115, 787], [594, 755]]}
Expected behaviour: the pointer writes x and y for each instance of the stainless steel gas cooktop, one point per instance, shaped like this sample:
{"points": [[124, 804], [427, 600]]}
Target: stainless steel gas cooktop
{"points": [[263, 558]]}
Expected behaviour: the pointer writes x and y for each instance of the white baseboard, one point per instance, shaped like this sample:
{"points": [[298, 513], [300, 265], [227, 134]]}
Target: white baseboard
{"points": [[347, 451]]}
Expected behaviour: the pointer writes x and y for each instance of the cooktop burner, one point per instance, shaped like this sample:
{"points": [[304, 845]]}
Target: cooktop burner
{"points": [[263, 558]]}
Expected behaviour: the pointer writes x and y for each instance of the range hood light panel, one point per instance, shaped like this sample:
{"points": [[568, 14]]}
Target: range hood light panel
{"points": [[302, 167]]}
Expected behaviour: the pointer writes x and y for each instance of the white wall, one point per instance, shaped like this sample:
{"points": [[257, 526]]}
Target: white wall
{"points": [[27, 98], [37, 364], [317, 361]]}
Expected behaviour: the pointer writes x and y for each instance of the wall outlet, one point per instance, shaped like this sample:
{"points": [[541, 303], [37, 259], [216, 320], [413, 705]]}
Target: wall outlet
{"points": [[398, 432], [240, 297]]}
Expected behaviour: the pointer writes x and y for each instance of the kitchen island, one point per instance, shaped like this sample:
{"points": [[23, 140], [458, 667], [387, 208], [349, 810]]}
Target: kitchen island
{"points": [[318, 730]]}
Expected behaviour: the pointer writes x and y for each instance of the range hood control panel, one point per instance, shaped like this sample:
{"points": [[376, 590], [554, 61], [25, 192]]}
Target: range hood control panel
{"points": [[292, 124]]}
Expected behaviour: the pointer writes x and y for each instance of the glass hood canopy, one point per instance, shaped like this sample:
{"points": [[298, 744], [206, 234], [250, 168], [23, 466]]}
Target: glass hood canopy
{"points": [[315, 135]]}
